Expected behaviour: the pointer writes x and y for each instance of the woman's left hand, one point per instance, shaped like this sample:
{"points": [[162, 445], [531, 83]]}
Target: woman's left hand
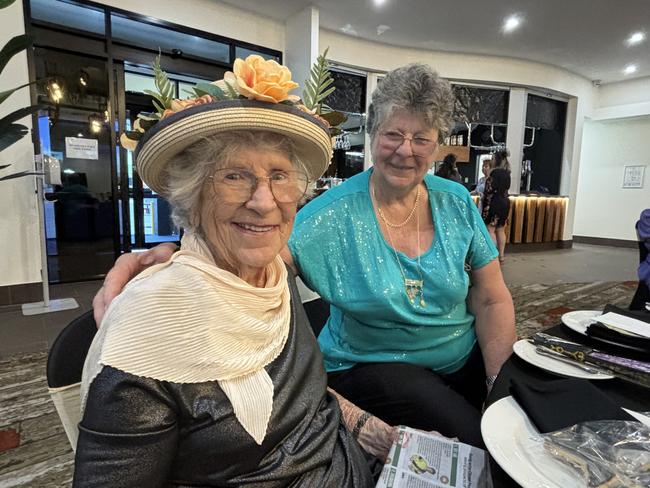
{"points": [[376, 437]]}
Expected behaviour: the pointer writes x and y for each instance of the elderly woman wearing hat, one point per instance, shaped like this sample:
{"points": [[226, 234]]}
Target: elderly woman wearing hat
{"points": [[205, 371]]}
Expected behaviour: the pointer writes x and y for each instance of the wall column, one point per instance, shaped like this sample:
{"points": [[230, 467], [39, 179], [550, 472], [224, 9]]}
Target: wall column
{"points": [[515, 137], [301, 43]]}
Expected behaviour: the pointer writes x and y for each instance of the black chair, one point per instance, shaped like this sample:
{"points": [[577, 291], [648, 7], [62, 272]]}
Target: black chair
{"points": [[318, 311], [65, 364], [642, 295]]}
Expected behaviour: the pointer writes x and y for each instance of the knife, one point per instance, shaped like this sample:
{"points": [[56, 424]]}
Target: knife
{"points": [[582, 366]]}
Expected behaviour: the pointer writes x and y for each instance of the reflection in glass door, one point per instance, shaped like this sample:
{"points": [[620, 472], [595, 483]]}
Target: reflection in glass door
{"points": [[80, 212]]}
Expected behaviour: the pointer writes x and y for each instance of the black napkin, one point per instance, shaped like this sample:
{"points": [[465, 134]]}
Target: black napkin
{"points": [[554, 405], [600, 331]]}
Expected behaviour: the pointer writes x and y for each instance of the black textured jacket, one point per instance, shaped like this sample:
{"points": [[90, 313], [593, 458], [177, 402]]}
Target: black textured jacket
{"points": [[139, 432]]}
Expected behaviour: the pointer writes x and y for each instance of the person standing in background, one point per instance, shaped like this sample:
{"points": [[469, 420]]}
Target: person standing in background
{"points": [[448, 169], [495, 204]]}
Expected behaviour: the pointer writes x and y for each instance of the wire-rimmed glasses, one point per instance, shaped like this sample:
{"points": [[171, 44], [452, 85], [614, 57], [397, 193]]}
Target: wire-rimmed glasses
{"points": [[420, 146], [236, 185]]}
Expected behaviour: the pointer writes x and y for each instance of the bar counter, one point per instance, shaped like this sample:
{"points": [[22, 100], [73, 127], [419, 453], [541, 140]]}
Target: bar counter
{"points": [[535, 218]]}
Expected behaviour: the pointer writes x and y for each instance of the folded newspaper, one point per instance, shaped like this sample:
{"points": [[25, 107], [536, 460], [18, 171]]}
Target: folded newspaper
{"points": [[421, 460]]}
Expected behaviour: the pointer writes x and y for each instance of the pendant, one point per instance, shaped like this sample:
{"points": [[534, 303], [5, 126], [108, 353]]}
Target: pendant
{"points": [[413, 289]]}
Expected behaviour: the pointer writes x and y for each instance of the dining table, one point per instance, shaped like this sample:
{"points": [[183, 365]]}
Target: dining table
{"points": [[625, 394]]}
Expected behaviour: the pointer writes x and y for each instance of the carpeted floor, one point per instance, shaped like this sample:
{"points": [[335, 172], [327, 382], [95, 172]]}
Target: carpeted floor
{"points": [[34, 451]]}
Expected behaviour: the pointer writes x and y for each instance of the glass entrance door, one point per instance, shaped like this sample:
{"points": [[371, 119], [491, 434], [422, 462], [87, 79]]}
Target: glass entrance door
{"points": [[80, 212]]}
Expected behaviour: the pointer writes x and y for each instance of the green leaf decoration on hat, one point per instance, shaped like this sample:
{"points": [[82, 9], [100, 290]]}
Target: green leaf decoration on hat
{"points": [[317, 87], [162, 99]]}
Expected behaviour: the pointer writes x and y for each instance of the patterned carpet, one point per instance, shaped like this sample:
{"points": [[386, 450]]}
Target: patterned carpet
{"points": [[34, 451]]}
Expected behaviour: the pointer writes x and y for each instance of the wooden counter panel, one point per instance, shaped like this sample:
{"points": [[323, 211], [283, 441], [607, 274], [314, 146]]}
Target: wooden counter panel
{"points": [[534, 219], [540, 215], [529, 229], [518, 224]]}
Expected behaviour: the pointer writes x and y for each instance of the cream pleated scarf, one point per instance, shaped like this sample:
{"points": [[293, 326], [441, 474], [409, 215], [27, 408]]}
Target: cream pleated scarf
{"points": [[188, 321]]}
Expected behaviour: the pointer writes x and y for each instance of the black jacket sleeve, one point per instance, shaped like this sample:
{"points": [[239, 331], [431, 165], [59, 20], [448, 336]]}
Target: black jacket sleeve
{"points": [[128, 434]]}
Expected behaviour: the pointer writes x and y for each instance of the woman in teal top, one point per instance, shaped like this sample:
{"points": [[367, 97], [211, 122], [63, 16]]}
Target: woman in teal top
{"points": [[372, 318], [407, 339], [388, 249]]}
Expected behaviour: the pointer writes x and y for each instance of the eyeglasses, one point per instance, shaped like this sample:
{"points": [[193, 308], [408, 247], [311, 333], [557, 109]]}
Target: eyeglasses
{"points": [[420, 146], [237, 185]]}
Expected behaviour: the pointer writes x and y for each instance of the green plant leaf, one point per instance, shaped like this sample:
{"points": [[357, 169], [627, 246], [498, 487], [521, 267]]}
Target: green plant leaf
{"points": [[20, 174], [7, 120], [209, 89], [149, 116], [14, 46], [159, 107], [317, 87], [6, 3], [156, 96], [163, 85], [233, 93], [12, 134], [6, 94]]}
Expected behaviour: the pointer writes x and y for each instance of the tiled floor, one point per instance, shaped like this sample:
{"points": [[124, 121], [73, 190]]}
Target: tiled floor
{"points": [[582, 263], [19, 333]]}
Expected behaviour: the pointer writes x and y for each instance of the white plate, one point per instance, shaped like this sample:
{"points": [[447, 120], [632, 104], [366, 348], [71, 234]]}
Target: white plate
{"points": [[526, 351], [579, 320], [508, 434]]}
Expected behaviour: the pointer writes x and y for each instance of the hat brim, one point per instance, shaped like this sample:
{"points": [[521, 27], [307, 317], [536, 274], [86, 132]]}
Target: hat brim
{"points": [[173, 134]]}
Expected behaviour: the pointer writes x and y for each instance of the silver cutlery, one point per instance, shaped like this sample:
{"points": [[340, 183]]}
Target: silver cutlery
{"points": [[555, 355]]}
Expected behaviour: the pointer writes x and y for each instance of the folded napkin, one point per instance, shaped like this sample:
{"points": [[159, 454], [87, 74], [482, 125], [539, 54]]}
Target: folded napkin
{"points": [[633, 314], [602, 331], [554, 405]]}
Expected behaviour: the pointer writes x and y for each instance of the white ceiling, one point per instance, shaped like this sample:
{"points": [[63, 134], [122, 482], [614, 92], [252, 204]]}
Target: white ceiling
{"points": [[584, 36]]}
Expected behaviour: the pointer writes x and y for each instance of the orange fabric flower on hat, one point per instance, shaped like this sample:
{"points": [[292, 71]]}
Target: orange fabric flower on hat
{"points": [[178, 105], [259, 79]]}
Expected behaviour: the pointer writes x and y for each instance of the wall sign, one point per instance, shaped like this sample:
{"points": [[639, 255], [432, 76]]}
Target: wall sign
{"points": [[633, 176], [79, 148]]}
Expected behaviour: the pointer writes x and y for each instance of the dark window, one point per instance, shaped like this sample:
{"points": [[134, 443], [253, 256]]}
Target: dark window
{"points": [[68, 14], [547, 118], [141, 34], [243, 52]]}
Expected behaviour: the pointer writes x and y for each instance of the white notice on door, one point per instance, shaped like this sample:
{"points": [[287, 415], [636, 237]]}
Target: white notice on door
{"points": [[79, 148]]}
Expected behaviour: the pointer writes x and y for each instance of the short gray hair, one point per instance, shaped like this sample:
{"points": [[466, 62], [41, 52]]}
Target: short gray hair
{"points": [[418, 89], [187, 173]]}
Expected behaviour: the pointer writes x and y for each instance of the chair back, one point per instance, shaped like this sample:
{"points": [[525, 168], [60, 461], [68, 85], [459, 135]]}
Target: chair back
{"points": [[65, 364], [642, 295]]}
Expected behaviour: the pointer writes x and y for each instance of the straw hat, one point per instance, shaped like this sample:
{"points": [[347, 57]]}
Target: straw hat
{"points": [[176, 132]]}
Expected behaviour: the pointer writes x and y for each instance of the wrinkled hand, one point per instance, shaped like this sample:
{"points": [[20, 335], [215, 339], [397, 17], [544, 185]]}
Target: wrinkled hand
{"points": [[377, 437], [126, 268]]}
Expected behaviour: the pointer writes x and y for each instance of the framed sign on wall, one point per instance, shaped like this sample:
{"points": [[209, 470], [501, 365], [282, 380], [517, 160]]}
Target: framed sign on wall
{"points": [[633, 176]]}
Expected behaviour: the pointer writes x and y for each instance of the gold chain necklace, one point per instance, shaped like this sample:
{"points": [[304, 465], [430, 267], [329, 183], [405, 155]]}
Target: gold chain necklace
{"points": [[408, 218], [413, 288]]}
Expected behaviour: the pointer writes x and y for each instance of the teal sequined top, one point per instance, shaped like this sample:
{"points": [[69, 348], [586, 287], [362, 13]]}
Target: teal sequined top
{"points": [[341, 254]]}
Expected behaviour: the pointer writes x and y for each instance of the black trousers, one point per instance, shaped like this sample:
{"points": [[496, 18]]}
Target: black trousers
{"points": [[405, 394]]}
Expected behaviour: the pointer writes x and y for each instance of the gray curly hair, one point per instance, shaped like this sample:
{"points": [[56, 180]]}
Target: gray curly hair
{"points": [[418, 89], [186, 174]]}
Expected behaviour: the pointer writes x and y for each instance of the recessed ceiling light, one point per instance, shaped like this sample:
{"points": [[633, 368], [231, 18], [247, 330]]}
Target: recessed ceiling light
{"points": [[630, 68], [635, 38], [349, 30], [379, 3], [511, 23], [382, 28]]}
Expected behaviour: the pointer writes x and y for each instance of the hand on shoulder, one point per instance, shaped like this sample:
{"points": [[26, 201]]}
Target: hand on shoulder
{"points": [[125, 269]]}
